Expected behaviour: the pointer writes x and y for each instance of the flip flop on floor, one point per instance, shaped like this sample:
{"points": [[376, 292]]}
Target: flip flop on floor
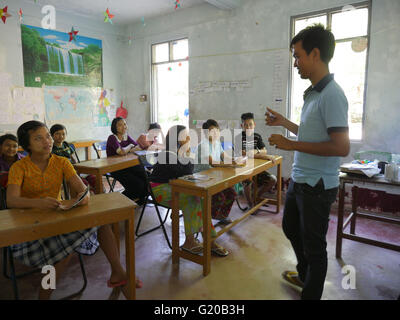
{"points": [[139, 284], [197, 249], [219, 250], [293, 278]]}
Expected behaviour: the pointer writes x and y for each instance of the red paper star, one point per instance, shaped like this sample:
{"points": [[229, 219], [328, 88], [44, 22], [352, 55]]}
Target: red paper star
{"points": [[4, 14], [72, 34]]}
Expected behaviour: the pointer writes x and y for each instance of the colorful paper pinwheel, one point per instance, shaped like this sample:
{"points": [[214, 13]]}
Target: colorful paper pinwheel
{"points": [[21, 15], [108, 16], [4, 14]]}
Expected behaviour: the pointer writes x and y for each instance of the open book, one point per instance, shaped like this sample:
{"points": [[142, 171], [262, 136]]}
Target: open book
{"points": [[196, 177], [69, 204], [237, 162]]}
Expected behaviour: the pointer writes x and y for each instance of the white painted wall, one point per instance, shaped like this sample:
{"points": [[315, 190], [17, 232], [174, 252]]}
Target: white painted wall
{"points": [[240, 44]]}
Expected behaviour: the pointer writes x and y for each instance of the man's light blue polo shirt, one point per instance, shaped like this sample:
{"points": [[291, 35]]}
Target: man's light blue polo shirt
{"points": [[325, 110]]}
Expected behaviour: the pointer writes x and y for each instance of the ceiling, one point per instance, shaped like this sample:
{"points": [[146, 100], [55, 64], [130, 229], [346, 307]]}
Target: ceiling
{"points": [[129, 11]]}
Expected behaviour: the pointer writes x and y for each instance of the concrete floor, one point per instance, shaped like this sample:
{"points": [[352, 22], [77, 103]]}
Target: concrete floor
{"points": [[259, 254]]}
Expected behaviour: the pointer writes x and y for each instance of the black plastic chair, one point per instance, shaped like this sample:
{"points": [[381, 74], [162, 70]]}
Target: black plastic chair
{"points": [[75, 153], [99, 147], [150, 198], [8, 255]]}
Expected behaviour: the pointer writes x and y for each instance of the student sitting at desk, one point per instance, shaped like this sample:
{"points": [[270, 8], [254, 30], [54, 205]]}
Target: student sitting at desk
{"points": [[35, 182], [133, 178], [172, 164], [63, 149], [150, 139], [8, 155], [251, 144], [210, 152]]}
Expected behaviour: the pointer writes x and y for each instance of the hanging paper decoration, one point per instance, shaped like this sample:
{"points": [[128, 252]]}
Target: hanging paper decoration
{"points": [[143, 22], [103, 101], [108, 16], [180, 64], [177, 4], [72, 34], [121, 111], [186, 112], [21, 15], [169, 69], [4, 14]]}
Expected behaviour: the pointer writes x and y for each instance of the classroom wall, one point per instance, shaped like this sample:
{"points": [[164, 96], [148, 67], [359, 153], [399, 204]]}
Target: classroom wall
{"points": [[247, 44], [113, 43]]}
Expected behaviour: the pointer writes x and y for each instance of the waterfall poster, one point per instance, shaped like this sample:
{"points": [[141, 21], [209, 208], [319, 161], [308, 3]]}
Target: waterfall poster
{"points": [[51, 59]]}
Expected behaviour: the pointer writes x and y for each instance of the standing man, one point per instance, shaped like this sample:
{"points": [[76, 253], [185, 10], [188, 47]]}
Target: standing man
{"points": [[322, 138]]}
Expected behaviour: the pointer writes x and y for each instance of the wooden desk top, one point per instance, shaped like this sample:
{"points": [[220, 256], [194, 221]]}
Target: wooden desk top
{"points": [[21, 225], [109, 164], [378, 179], [221, 177]]}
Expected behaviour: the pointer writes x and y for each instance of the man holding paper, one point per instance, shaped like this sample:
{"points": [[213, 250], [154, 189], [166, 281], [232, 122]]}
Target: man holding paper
{"points": [[322, 138]]}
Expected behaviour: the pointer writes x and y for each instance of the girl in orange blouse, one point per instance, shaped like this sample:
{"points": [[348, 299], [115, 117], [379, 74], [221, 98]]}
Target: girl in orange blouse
{"points": [[35, 182]]}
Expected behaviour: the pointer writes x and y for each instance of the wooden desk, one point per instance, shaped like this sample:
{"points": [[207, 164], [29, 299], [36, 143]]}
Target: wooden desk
{"points": [[87, 144], [99, 167], [340, 235], [222, 178], [21, 225]]}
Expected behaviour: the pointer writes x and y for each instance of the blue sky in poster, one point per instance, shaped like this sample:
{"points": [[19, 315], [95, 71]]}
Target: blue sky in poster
{"points": [[62, 38]]}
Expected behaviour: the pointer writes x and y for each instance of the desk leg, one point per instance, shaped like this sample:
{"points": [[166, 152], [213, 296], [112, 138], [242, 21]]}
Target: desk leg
{"points": [[255, 190], [278, 188], [130, 256], [99, 189], [88, 153], [175, 226], [99, 183], [339, 233], [206, 235], [354, 201]]}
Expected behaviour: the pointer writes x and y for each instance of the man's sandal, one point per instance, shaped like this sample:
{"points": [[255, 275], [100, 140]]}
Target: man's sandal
{"points": [[293, 278]]}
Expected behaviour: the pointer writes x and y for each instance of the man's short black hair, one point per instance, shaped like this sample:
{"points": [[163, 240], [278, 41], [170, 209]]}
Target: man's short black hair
{"points": [[154, 125], [210, 123], [316, 36], [8, 136], [57, 127], [114, 124], [247, 116], [24, 131]]}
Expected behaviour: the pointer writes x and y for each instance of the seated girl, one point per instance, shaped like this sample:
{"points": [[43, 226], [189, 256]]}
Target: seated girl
{"points": [[133, 179], [63, 149], [210, 152], [150, 139], [8, 155], [35, 182], [174, 163]]}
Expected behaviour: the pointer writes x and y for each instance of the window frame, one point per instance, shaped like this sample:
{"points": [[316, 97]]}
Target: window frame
{"points": [[329, 12], [153, 89]]}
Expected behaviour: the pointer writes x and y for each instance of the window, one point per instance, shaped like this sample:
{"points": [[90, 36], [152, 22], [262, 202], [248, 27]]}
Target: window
{"points": [[170, 83], [350, 26]]}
